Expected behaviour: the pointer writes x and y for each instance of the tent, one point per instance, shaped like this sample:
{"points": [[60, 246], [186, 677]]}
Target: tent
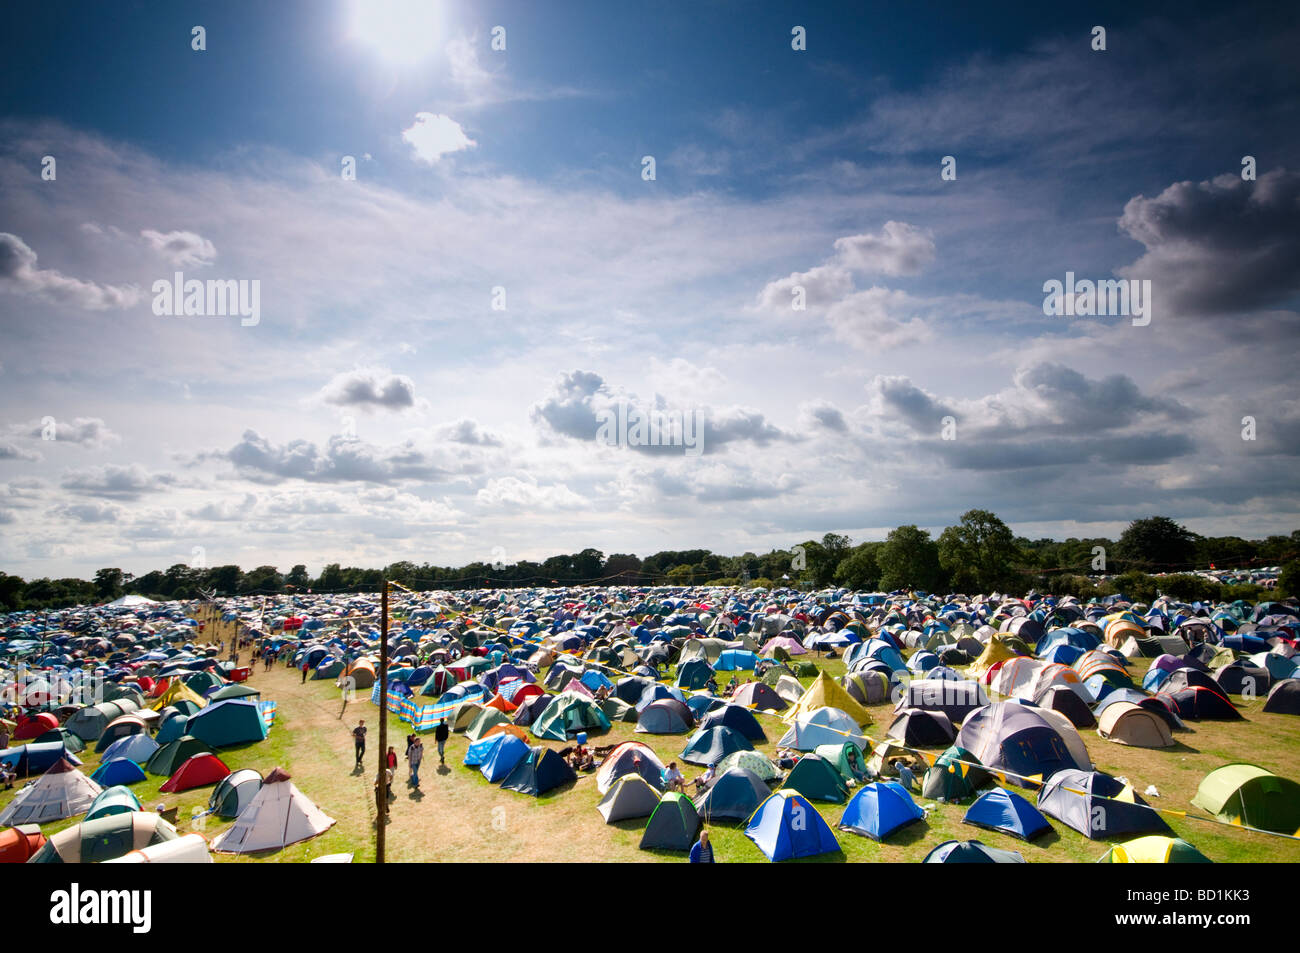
{"points": [[89, 723], [738, 719], [971, 852], [867, 688], [631, 757], [59, 793], [485, 719], [18, 844], [667, 716], [137, 748], [1067, 701], [172, 755], [1197, 703], [753, 761], [786, 826], [36, 758], [735, 794], [759, 696], [118, 771], [228, 723], [816, 779], [955, 699], [825, 692], [1028, 744], [673, 825], [93, 842], [879, 809], [1284, 698], [114, 800], [847, 758], [120, 728], [826, 726], [235, 691], [234, 792], [1097, 805], [278, 815], [568, 714], [954, 776], [190, 849], [539, 771], [1128, 724], [503, 758], [1154, 849], [196, 772], [919, 728], [1000, 648], [1008, 812], [1247, 794], [710, 745], [629, 796]]}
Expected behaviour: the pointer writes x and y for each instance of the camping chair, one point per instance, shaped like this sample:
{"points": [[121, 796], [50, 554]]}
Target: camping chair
{"points": [[168, 814]]}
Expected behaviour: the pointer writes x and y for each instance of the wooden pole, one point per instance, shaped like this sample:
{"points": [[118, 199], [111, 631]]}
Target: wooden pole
{"points": [[381, 787]]}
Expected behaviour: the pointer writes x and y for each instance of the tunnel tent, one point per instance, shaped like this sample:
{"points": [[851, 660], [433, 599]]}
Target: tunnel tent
{"points": [[1250, 795]]}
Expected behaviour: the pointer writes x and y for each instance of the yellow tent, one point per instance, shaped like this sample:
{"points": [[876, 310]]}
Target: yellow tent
{"points": [[999, 649], [176, 691], [826, 692], [1155, 849]]}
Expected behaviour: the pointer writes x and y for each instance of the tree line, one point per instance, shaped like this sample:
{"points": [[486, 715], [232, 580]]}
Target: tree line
{"points": [[980, 554]]}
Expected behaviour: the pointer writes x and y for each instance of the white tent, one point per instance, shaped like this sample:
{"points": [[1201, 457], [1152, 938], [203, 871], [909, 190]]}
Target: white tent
{"points": [[59, 793], [190, 849], [278, 815]]}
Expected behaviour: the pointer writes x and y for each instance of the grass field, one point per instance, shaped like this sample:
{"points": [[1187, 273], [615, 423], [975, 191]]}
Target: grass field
{"points": [[459, 816]]}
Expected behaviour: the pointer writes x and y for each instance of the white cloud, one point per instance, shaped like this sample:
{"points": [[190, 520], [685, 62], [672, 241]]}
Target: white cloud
{"points": [[434, 135], [182, 249]]}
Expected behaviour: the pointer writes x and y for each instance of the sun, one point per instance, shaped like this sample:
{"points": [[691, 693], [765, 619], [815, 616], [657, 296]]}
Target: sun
{"points": [[401, 32]]}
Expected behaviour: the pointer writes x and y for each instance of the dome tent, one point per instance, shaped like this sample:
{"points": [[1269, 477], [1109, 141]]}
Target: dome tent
{"points": [[673, 825], [971, 852], [1007, 812], [1247, 794], [278, 815], [786, 826], [879, 809], [93, 842], [735, 794], [630, 796]]}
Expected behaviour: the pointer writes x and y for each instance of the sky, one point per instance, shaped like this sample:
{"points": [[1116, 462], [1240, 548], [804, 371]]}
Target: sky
{"points": [[477, 232]]}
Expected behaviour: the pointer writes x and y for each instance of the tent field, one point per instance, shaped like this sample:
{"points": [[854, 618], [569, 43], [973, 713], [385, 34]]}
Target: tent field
{"points": [[457, 814]]}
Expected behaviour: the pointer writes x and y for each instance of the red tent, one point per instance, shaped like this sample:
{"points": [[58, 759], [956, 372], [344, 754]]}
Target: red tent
{"points": [[195, 773], [35, 726]]}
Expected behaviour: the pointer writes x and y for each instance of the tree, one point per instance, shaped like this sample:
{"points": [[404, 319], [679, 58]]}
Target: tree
{"points": [[262, 579], [331, 578], [979, 552], [298, 577], [859, 569], [1288, 581], [108, 584], [909, 559], [621, 563], [1156, 543], [224, 579]]}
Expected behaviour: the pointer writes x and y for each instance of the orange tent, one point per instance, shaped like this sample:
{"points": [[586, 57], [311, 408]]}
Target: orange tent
{"points": [[19, 843], [501, 703]]}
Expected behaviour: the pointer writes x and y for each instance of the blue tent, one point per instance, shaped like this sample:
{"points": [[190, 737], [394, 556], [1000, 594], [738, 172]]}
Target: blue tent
{"points": [[879, 809], [1008, 812], [710, 745], [503, 758], [118, 771], [480, 751], [736, 793], [734, 660], [228, 723], [738, 719], [138, 748], [786, 826]]}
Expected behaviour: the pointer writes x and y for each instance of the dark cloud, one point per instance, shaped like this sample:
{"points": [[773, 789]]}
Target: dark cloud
{"points": [[117, 482], [18, 272], [368, 390], [1218, 247], [342, 460]]}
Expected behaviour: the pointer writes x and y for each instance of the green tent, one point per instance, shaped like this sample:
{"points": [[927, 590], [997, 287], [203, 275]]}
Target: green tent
{"points": [[753, 761], [484, 720], [1247, 794], [171, 756], [200, 682], [817, 779], [114, 800], [847, 758], [93, 842], [234, 690], [673, 825], [949, 780], [566, 715]]}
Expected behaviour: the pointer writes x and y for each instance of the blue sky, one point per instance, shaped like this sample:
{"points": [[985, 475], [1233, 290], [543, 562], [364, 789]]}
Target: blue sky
{"points": [[380, 409]]}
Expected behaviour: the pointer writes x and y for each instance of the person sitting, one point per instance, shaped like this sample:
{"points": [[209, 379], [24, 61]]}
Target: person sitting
{"points": [[675, 780], [8, 776], [705, 780]]}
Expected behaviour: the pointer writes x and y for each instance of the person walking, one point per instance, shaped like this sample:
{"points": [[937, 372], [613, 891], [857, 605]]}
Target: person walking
{"points": [[440, 736], [414, 755], [304, 674], [359, 738]]}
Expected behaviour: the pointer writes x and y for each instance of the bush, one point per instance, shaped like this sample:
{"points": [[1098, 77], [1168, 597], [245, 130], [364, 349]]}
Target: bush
{"points": [[1133, 585], [1288, 581], [1187, 587]]}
